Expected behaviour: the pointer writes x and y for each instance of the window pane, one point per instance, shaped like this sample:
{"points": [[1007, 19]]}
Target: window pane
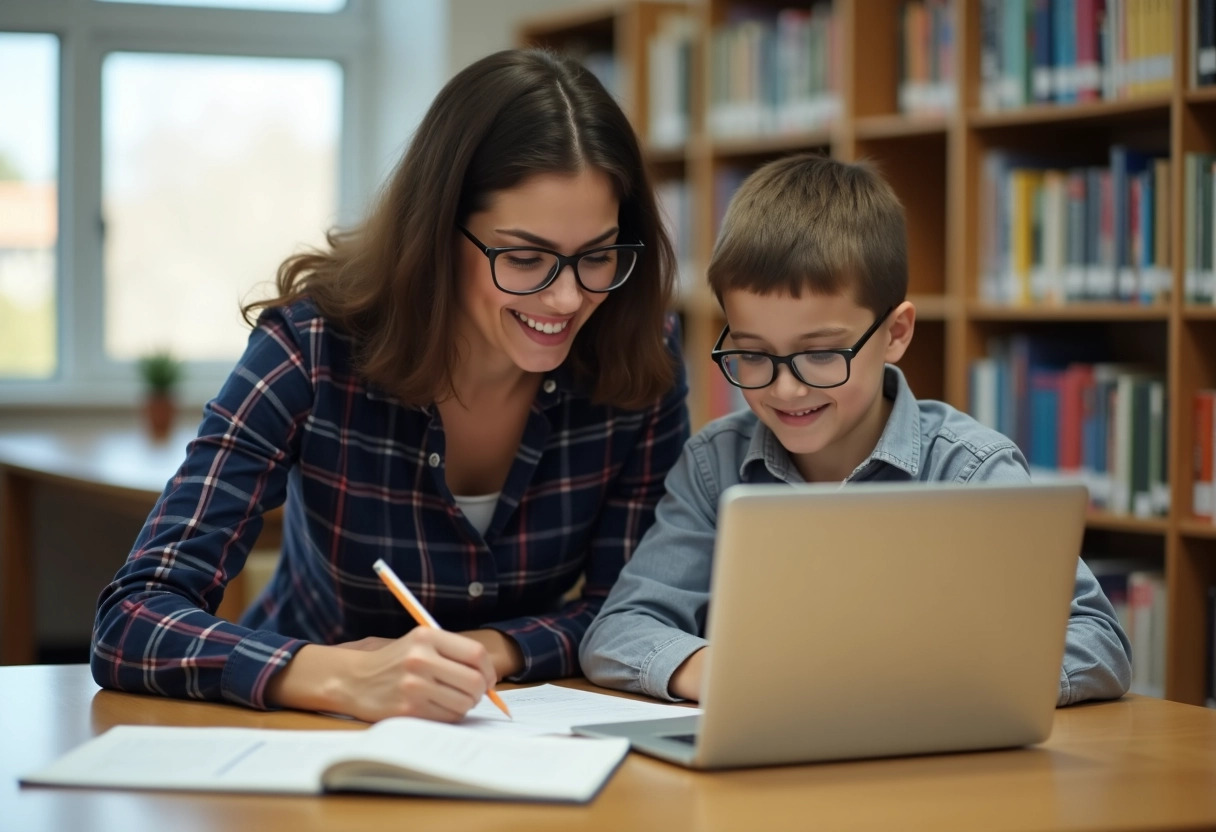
{"points": [[214, 170], [29, 140], [272, 5]]}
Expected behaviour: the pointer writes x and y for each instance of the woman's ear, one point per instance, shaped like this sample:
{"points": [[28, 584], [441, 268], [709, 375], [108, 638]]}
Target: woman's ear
{"points": [[900, 325]]}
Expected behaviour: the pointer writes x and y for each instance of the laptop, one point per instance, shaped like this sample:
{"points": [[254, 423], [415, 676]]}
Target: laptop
{"points": [[878, 620]]}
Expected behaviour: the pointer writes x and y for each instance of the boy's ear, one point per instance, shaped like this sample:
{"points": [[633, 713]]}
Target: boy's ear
{"points": [[899, 331]]}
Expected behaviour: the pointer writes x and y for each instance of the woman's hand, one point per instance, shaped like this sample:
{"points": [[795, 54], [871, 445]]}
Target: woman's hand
{"points": [[367, 644], [686, 681], [426, 673], [504, 652]]}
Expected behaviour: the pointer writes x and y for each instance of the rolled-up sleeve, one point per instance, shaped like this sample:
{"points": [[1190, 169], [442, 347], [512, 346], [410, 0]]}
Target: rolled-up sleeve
{"points": [[653, 618], [156, 630], [1097, 653]]}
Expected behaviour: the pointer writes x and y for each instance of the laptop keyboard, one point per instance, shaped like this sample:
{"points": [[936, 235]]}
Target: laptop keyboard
{"points": [[691, 739]]}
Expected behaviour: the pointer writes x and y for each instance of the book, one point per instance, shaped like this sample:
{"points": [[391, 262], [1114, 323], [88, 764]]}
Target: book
{"points": [[402, 755]]}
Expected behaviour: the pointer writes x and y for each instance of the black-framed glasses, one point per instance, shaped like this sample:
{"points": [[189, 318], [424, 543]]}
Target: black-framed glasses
{"points": [[753, 369], [525, 270]]}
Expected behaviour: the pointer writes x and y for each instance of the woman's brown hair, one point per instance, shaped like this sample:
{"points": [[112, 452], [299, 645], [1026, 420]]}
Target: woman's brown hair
{"points": [[391, 283]]}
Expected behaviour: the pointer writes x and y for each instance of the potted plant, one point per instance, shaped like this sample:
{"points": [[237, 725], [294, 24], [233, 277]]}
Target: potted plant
{"points": [[161, 372]]}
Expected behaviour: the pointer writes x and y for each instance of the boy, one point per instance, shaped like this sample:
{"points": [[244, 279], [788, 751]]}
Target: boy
{"points": [[811, 270]]}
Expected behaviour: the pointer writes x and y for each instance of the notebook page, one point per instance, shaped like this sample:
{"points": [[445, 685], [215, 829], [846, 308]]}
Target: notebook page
{"points": [[210, 759], [552, 709], [553, 768]]}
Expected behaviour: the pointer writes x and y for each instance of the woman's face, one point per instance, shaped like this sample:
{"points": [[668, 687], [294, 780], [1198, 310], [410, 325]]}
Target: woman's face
{"points": [[563, 212]]}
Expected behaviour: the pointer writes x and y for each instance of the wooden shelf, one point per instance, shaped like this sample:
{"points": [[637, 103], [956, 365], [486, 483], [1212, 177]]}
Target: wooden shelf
{"points": [[665, 155], [1201, 95], [900, 126], [770, 145], [1194, 527], [570, 22], [701, 303], [979, 311], [934, 307], [935, 165], [1105, 521], [1135, 109], [1199, 313]]}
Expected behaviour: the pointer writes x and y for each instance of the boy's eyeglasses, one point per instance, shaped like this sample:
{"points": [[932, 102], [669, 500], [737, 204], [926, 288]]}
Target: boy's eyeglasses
{"points": [[753, 369], [525, 270]]}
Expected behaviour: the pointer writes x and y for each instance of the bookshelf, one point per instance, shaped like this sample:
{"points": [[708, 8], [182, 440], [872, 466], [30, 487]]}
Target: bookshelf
{"points": [[936, 160]]}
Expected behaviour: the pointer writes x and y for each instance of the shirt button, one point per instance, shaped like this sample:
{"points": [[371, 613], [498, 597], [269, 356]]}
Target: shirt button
{"points": [[549, 386], [475, 589], [433, 460]]}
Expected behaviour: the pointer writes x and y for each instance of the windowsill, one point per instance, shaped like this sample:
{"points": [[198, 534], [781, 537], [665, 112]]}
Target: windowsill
{"points": [[120, 395]]}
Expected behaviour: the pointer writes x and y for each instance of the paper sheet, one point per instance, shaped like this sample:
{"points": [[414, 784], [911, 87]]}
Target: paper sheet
{"points": [[550, 709]]}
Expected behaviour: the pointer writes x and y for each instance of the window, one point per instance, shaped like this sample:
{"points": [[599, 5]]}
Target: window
{"points": [[213, 170], [273, 5], [158, 161], [29, 102]]}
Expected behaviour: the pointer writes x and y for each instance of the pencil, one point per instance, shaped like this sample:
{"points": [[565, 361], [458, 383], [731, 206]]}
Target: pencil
{"points": [[420, 614]]}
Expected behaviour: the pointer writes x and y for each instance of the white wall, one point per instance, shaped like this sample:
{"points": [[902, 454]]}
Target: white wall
{"points": [[477, 28], [410, 65]]}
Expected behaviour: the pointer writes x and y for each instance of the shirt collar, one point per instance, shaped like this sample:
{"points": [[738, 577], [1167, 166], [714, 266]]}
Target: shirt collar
{"points": [[900, 443], [767, 460]]}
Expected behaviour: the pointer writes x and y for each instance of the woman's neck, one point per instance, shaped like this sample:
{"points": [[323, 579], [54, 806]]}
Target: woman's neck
{"points": [[486, 383]]}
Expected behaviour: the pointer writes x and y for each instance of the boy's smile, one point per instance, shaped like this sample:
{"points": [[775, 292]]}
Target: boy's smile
{"points": [[800, 418], [829, 431]]}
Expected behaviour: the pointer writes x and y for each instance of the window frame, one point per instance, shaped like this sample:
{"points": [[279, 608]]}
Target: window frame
{"points": [[88, 31]]}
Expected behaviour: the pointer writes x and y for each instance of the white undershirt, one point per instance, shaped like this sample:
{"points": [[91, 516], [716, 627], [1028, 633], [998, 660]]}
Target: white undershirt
{"points": [[479, 510]]}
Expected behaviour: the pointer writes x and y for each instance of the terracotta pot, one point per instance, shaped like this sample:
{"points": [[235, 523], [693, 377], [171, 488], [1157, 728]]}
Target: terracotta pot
{"points": [[159, 410]]}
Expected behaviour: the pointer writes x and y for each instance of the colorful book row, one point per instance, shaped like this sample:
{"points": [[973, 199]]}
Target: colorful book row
{"points": [[1199, 204], [1069, 51], [1101, 424], [774, 72], [675, 205], [1057, 235], [1203, 456], [669, 76], [1138, 594], [927, 64]]}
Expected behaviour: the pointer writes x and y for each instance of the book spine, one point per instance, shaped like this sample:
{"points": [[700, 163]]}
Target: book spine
{"points": [[1202, 459]]}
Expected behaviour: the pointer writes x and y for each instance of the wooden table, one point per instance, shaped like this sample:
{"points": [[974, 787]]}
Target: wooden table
{"points": [[1134, 764], [114, 464]]}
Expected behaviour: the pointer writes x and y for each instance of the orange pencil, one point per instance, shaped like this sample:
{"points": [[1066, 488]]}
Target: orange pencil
{"points": [[420, 614]]}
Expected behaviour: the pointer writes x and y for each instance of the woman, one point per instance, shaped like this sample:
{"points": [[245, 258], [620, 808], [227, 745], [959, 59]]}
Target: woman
{"points": [[476, 385]]}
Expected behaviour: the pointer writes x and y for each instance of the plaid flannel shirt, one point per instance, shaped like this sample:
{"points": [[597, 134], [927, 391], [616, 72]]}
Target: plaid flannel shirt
{"points": [[362, 478]]}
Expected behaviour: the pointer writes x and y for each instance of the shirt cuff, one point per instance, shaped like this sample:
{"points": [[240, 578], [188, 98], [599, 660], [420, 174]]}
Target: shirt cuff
{"points": [[251, 664], [661, 665], [549, 652], [1065, 689]]}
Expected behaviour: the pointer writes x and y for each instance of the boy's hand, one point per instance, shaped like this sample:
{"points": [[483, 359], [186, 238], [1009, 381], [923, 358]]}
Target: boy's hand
{"points": [[686, 681], [426, 673]]}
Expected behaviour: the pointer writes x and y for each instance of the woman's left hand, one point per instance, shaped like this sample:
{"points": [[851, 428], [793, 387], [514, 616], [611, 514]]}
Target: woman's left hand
{"points": [[504, 652], [367, 645]]}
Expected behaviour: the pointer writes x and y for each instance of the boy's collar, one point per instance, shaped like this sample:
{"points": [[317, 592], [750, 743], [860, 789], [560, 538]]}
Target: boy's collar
{"points": [[899, 445]]}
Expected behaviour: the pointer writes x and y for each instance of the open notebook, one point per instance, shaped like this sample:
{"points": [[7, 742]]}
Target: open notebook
{"points": [[396, 756]]}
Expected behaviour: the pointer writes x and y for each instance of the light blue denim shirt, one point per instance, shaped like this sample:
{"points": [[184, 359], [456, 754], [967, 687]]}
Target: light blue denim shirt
{"points": [[655, 615]]}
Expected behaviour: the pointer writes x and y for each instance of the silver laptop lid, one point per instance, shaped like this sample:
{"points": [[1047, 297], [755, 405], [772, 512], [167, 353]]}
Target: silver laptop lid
{"points": [[886, 619]]}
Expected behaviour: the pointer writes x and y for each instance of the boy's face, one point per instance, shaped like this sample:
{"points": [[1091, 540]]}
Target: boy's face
{"points": [[827, 431]]}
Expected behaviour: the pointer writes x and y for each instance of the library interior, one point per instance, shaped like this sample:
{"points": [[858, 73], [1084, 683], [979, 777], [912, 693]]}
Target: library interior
{"points": [[1056, 163]]}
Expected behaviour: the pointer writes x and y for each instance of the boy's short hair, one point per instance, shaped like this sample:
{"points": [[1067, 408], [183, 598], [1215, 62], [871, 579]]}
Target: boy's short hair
{"points": [[810, 222]]}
